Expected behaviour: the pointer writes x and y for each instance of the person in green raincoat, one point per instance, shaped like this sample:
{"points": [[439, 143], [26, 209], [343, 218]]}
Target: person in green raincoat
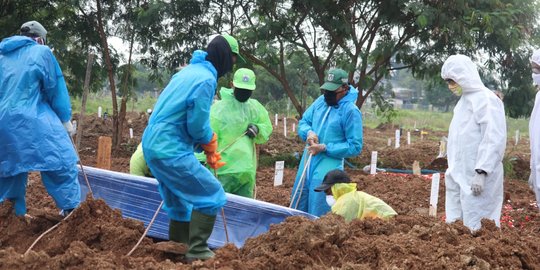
{"points": [[240, 122], [344, 199]]}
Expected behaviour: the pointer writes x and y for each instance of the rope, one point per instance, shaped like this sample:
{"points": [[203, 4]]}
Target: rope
{"points": [[300, 183], [223, 216], [147, 229], [46, 232], [82, 169]]}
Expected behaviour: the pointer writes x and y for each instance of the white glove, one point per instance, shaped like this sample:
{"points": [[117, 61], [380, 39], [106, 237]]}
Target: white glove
{"points": [[312, 138], [477, 185], [314, 149], [531, 182], [69, 128]]}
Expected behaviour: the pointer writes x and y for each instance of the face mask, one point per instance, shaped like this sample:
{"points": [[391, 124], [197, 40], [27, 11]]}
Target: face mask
{"points": [[330, 97], [242, 95], [536, 78], [330, 200], [456, 89]]}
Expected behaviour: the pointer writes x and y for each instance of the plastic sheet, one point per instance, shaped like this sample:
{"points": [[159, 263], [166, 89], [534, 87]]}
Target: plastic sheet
{"points": [[138, 198]]}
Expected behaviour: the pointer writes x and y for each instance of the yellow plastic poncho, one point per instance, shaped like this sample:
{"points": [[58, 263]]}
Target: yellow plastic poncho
{"points": [[137, 164], [352, 204]]}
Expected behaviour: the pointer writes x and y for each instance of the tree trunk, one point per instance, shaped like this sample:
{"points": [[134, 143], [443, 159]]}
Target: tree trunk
{"points": [[84, 96], [110, 72]]}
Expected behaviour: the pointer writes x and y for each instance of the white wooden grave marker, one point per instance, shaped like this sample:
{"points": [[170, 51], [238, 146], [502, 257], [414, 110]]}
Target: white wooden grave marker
{"points": [[434, 198], [373, 166], [397, 138], [285, 126], [278, 175]]}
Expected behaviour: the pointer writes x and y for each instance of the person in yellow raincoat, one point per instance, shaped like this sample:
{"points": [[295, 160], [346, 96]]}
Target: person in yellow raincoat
{"points": [[346, 201], [137, 164]]}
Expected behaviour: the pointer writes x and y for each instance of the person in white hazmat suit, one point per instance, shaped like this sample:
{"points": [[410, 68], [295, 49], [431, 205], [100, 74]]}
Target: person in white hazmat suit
{"points": [[534, 129], [476, 145]]}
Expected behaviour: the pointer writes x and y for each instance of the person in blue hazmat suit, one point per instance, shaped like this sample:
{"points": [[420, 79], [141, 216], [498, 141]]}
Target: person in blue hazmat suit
{"points": [[180, 125], [332, 128], [476, 145], [35, 113]]}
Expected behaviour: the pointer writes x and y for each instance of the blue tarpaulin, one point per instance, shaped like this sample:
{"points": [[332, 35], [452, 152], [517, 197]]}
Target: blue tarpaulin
{"points": [[138, 198]]}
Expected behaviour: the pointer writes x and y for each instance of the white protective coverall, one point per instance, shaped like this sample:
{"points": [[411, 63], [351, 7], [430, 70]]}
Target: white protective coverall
{"points": [[476, 140], [534, 133]]}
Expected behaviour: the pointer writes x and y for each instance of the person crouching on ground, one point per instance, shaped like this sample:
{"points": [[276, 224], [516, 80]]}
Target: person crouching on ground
{"points": [[344, 199]]}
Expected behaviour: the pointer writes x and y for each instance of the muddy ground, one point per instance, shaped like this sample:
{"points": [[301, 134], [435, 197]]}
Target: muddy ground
{"points": [[97, 237]]}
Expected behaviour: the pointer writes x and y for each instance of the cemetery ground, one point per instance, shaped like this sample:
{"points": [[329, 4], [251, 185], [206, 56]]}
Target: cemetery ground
{"points": [[97, 237]]}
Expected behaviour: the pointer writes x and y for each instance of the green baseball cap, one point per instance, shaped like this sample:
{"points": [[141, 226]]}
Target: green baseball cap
{"points": [[244, 78], [233, 43], [335, 79]]}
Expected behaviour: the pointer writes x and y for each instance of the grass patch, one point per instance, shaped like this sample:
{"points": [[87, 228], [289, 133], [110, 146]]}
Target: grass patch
{"points": [[437, 121], [269, 161], [96, 100]]}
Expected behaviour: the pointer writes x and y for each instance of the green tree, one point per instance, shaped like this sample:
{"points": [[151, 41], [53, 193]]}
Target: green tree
{"points": [[68, 36], [366, 36]]}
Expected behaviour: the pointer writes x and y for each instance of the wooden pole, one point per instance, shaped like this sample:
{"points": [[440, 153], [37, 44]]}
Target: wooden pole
{"points": [[104, 152], [84, 96]]}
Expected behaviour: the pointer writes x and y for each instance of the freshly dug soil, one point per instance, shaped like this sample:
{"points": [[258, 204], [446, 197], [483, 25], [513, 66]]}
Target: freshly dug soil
{"points": [[93, 237], [412, 242], [97, 237]]}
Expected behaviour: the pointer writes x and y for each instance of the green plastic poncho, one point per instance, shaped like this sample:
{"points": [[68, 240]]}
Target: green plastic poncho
{"points": [[352, 204], [137, 164], [229, 119]]}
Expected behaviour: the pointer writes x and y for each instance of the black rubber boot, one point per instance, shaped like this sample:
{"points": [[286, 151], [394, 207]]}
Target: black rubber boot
{"points": [[200, 229], [179, 231]]}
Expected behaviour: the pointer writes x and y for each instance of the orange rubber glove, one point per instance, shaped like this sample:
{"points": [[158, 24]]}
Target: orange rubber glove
{"points": [[211, 146], [212, 156], [213, 160]]}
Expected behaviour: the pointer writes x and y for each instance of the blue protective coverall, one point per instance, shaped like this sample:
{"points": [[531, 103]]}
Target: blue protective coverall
{"points": [[34, 102], [341, 132], [179, 123]]}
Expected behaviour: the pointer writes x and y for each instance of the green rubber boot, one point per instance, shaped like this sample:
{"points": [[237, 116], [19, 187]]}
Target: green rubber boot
{"points": [[200, 229], [179, 231]]}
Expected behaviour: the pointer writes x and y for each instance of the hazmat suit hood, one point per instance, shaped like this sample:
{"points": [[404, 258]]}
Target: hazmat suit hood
{"points": [[352, 96], [13, 43], [463, 71], [340, 189], [220, 55]]}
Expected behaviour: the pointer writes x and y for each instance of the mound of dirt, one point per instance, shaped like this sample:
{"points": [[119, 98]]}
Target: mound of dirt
{"points": [[402, 158], [93, 237], [266, 190], [395, 190], [416, 242]]}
